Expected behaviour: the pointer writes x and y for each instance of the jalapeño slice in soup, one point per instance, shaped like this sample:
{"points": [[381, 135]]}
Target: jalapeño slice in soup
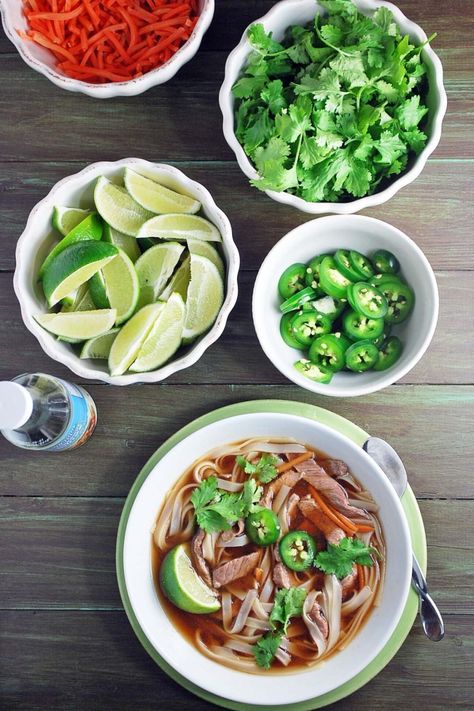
{"points": [[261, 543]]}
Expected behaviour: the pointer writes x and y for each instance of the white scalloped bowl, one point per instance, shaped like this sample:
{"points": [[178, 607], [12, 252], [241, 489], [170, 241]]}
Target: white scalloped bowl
{"points": [[300, 12], [365, 234], [42, 60], [38, 238]]}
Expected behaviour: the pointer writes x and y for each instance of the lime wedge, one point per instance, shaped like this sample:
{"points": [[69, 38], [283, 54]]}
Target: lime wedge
{"points": [[205, 297], [154, 269], [176, 226], [97, 291], [131, 337], [155, 197], [79, 325], [70, 302], [89, 229], [80, 300], [66, 218], [179, 282], [118, 208], [206, 249], [125, 242], [121, 286], [164, 338], [99, 347], [74, 266], [183, 586]]}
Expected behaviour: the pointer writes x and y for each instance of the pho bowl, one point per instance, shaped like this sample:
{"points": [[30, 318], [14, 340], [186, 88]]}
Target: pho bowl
{"points": [[299, 12], [364, 234], [42, 60], [37, 239], [138, 587]]}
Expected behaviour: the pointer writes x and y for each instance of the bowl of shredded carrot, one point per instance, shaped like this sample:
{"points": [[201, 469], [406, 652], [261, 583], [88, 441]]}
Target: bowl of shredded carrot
{"points": [[107, 48]]}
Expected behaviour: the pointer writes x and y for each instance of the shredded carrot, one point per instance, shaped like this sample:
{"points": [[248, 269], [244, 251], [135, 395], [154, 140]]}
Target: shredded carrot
{"points": [[342, 521], [364, 528], [296, 460], [101, 40], [258, 574], [360, 576], [346, 525]]}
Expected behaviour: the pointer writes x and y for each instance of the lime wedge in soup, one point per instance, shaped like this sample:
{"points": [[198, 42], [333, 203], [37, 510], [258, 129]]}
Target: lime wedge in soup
{"points": [[183, 586]]}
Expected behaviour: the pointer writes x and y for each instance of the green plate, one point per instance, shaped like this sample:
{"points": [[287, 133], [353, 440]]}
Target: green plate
{"points": [[410, 507]]}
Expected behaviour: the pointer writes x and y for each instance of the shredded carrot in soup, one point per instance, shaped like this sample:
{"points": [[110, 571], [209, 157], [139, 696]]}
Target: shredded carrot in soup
{"points": [[103, 41]]}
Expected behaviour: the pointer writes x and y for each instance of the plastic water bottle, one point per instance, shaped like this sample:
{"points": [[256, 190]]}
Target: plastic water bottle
{"points": [[40, 412]]}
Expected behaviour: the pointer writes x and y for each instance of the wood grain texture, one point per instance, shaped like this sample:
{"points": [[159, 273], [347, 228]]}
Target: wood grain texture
{"points": [[73, 563], [432, 210], [161, 129], [238, 353], [93, 661], [65, 643], [421, 422]]}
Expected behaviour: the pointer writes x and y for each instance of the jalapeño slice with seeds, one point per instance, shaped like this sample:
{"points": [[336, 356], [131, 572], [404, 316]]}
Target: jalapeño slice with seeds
{"points": [[292, 280], [362, 356], [367, 300]]}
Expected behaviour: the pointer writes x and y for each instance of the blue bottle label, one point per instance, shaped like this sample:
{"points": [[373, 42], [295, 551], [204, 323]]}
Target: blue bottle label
{"points": [[82, 420]]}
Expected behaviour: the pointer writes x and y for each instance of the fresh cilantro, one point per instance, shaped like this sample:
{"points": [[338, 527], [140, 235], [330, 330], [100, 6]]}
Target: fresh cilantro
{"points": [[339, 559], [264, 470], [333, 109], [217, 510], [288, 603], [266, 648]]}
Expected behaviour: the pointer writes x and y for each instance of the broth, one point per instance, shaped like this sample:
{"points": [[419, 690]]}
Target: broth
{"points": [[207, 632]]}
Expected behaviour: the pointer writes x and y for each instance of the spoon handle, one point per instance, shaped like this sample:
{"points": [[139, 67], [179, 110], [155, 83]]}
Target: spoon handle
{"points": [[431, 620]]}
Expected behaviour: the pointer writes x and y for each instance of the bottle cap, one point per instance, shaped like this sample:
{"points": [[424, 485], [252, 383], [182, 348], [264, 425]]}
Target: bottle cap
{"points": [[16, 405]]}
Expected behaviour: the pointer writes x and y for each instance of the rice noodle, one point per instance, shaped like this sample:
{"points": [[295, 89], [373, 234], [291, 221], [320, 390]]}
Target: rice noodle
{"points": [[235, 542], [313, 629], [356, 600], [280, 498], [361, 504], [283, 656], [232, 486], [238, 646], [333, 602], [350, 480], [267, 590], [258, 624], [243, 613]]}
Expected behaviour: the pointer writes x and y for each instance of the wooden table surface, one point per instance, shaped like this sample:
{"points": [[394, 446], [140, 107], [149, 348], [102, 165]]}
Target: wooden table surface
{"points": [[65, 640]]}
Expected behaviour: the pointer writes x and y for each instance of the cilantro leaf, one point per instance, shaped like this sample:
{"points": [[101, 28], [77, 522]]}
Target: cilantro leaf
{"points": [[410, 113], [266, 648], [265, 469], [333, 108], [251, 495], [339, 559], [217, 510], [288, 603], [262, 41]]}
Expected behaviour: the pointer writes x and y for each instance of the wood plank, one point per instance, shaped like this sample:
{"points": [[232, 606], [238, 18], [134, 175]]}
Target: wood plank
{"points": [[434, 210], [454, 28], [73, 566], [430, 426], [238, 353], [73, 660], [161, 128]]}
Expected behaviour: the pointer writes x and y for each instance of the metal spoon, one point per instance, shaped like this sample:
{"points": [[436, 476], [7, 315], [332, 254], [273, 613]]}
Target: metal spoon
{"points": [[392, 466]]}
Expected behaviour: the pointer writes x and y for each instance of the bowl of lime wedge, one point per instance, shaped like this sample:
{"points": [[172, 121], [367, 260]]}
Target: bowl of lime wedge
{"points": [[126, 272]]}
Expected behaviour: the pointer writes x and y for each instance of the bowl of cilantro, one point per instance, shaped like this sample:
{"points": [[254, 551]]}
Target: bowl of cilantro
{"points": [[333, 106]]}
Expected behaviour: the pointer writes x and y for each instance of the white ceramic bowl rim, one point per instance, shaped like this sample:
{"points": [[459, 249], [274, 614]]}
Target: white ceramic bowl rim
{"points": [[264, 689], [73, 362], [156, 76], [234, 65], [286, 246]]}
